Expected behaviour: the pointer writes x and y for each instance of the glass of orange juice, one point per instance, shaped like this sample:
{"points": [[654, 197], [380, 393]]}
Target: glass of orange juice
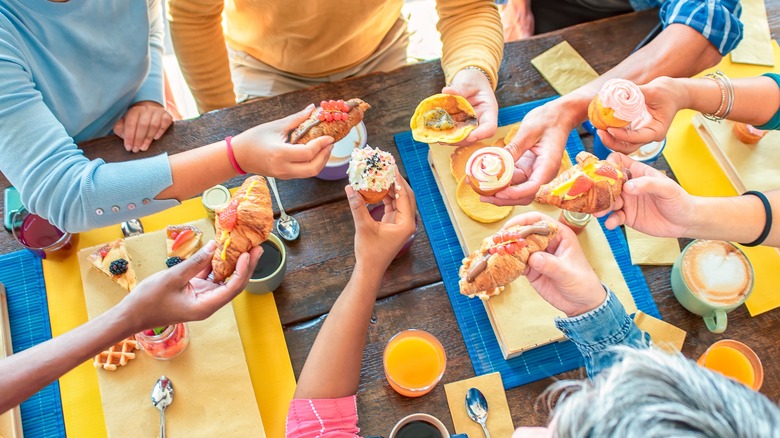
{"points": [[735, 360], [414, 362]]}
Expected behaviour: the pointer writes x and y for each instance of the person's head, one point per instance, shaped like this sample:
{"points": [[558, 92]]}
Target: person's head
{"points": [[650, 393]]}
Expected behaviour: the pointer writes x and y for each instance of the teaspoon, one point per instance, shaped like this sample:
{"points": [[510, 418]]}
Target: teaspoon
{"points": [[477, 407], [287, 227]]}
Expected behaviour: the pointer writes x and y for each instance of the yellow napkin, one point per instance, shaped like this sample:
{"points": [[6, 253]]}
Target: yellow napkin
{"points": [[756, 44], [499, 422], [258, 322], [651, 250], [564, 68], [699, 173], [664, 335]]}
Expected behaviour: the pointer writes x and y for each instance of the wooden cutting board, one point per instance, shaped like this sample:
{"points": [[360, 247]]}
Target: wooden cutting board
{"points": [[521, 319], [213, 389], [10, 421]]}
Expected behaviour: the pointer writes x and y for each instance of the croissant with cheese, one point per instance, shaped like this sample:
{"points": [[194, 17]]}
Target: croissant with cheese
{"points": [[502, 258], [244, 223], [334, 118], [591, 186]]}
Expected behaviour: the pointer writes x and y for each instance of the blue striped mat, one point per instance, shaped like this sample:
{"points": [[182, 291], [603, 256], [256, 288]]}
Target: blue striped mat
{"points": [[22, 274], [481, 343]]}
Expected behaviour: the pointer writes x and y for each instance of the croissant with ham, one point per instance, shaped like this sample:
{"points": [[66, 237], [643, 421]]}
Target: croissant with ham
{"points": [[244, 223], [591, 186], [502, 258], [333, 117]]}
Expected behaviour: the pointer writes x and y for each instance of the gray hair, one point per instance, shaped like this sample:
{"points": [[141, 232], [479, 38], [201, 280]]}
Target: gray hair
{"points": [[650, 393]]}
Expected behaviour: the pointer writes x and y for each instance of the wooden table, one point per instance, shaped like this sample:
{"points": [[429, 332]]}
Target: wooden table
{"points": [[412, 294]]}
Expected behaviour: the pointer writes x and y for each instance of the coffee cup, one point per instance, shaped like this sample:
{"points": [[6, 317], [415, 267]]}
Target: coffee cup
{"points": [[338, 163], [38, 235], [711, 278], [419, 425], [270, 269]]}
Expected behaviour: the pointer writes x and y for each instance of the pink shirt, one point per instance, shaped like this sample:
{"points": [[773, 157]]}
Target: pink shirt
{"points": [[331, 418]]}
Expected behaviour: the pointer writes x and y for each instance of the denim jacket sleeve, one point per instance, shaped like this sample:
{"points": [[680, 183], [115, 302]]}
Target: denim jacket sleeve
{"points": [[596, 331]]}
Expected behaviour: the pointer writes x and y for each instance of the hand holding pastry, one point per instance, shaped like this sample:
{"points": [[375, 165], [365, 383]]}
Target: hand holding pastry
{"points": [[561, 273], [619, 103], [371, 173], [591, 186], [490, 170], [502, 258], [244, 223], [333, 118], [264, 149], [474, 86], [651, 202], [443, 118]]}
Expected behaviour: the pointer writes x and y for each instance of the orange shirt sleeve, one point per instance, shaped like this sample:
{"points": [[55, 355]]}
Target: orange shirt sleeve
{"points": [[199, 42], [471, 34]]}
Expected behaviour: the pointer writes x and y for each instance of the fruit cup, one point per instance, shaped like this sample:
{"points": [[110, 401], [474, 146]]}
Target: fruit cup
{"points": [[166, 344]]}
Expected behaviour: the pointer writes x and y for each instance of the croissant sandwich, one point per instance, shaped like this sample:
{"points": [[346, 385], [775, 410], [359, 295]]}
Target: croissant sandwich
{"points": [[244, 223], [333, 117], [502, 258], [589, 187]]}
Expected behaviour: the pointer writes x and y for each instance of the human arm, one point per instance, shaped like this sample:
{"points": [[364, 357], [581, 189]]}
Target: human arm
{"points": [[517, 20], [199, 42], [175, 295], [471, 37], [654, 204], [681, 50]]}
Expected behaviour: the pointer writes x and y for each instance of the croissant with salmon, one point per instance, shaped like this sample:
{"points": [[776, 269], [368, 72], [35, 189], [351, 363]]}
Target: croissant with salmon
{"points": [[502, 258], [591, 186], [333, 117], [244, 223]]}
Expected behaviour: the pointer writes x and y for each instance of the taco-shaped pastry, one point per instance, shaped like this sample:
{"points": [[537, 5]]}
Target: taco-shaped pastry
{"points": [[333, 117], [443, 118], [588, 187], [502, 258], [244, 223]]}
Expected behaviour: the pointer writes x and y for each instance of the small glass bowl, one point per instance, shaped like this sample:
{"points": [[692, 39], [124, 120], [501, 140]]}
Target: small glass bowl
{"points": [[168, 344]]}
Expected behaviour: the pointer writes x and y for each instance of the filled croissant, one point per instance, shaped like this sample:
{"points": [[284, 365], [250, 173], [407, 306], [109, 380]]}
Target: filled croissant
{"points": [[244, 223], [591, 186], [333, 117], [502, 258]]}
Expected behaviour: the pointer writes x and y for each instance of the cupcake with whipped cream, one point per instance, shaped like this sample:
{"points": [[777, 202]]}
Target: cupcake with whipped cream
{"points": [[619, 104], [490, 170], [371, 173]]}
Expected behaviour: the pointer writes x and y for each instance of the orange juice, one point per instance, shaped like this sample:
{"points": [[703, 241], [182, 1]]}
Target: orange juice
{"points": [[734, 360], [414, 362]]}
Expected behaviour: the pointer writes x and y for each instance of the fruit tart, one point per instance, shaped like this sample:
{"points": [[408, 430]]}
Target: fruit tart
{"points": [[502, 258], [113, 260], [371, 173], [619, 103], [443, 118], [244, 223], [588, 187], [333, 117], [181, 241], [490, 170]]}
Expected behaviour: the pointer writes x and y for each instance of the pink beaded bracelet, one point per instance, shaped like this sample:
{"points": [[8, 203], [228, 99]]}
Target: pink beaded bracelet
{"points": [[233, 157]]}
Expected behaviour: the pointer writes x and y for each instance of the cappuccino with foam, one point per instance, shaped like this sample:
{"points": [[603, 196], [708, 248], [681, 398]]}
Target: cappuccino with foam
{"points": [[717, 272]]}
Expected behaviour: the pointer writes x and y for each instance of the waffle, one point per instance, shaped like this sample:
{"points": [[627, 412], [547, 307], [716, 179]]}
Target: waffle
{"points": [[116, 355]]}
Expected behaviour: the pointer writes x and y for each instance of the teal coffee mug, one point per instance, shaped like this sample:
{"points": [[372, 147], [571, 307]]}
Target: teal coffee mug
{"points": [[270, 269], [711, 278]]}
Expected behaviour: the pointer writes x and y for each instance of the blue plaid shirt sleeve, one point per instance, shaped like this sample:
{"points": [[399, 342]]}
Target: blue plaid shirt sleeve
{"points": [[717, 20]]}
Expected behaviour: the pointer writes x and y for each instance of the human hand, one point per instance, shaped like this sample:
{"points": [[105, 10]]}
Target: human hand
{"points": [[517, 19], [561, 274], [377, 243], [265, 150], [474, 86], [662, 97], [182, 293], [650, 202], [145, 121]]}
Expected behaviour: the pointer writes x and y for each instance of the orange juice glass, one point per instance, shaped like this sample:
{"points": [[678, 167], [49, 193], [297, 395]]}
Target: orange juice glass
{"points": [[414, 362], [735, 360]]}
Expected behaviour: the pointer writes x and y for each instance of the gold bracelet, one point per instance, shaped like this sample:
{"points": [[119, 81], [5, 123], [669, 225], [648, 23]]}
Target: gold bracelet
{"points": [[726, 96], [479, 69]]}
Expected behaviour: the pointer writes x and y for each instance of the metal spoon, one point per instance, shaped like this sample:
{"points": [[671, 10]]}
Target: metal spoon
{"points": [[162, 396], [286, 226], [477, 407]]}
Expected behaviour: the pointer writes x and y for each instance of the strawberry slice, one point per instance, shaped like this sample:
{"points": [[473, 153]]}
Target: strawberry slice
{"points": [[182, 237], [607, 170], [227, 217], [582, 184], [103, 252]]}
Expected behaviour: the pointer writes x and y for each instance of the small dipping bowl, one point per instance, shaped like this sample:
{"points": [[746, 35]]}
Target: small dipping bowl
{"points": [[338, 163], [38, 235], [377, 211]]}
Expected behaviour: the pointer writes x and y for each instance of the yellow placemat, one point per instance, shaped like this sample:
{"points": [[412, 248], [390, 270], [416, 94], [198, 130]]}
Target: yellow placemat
{"points": [[651, 250], [258, 322], [499, 421], [756, 44], [564, 68], [699, 173], [664, 335]]}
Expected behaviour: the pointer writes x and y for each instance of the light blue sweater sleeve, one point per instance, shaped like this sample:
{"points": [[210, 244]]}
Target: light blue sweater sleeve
{"points": [[152, 88]]}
